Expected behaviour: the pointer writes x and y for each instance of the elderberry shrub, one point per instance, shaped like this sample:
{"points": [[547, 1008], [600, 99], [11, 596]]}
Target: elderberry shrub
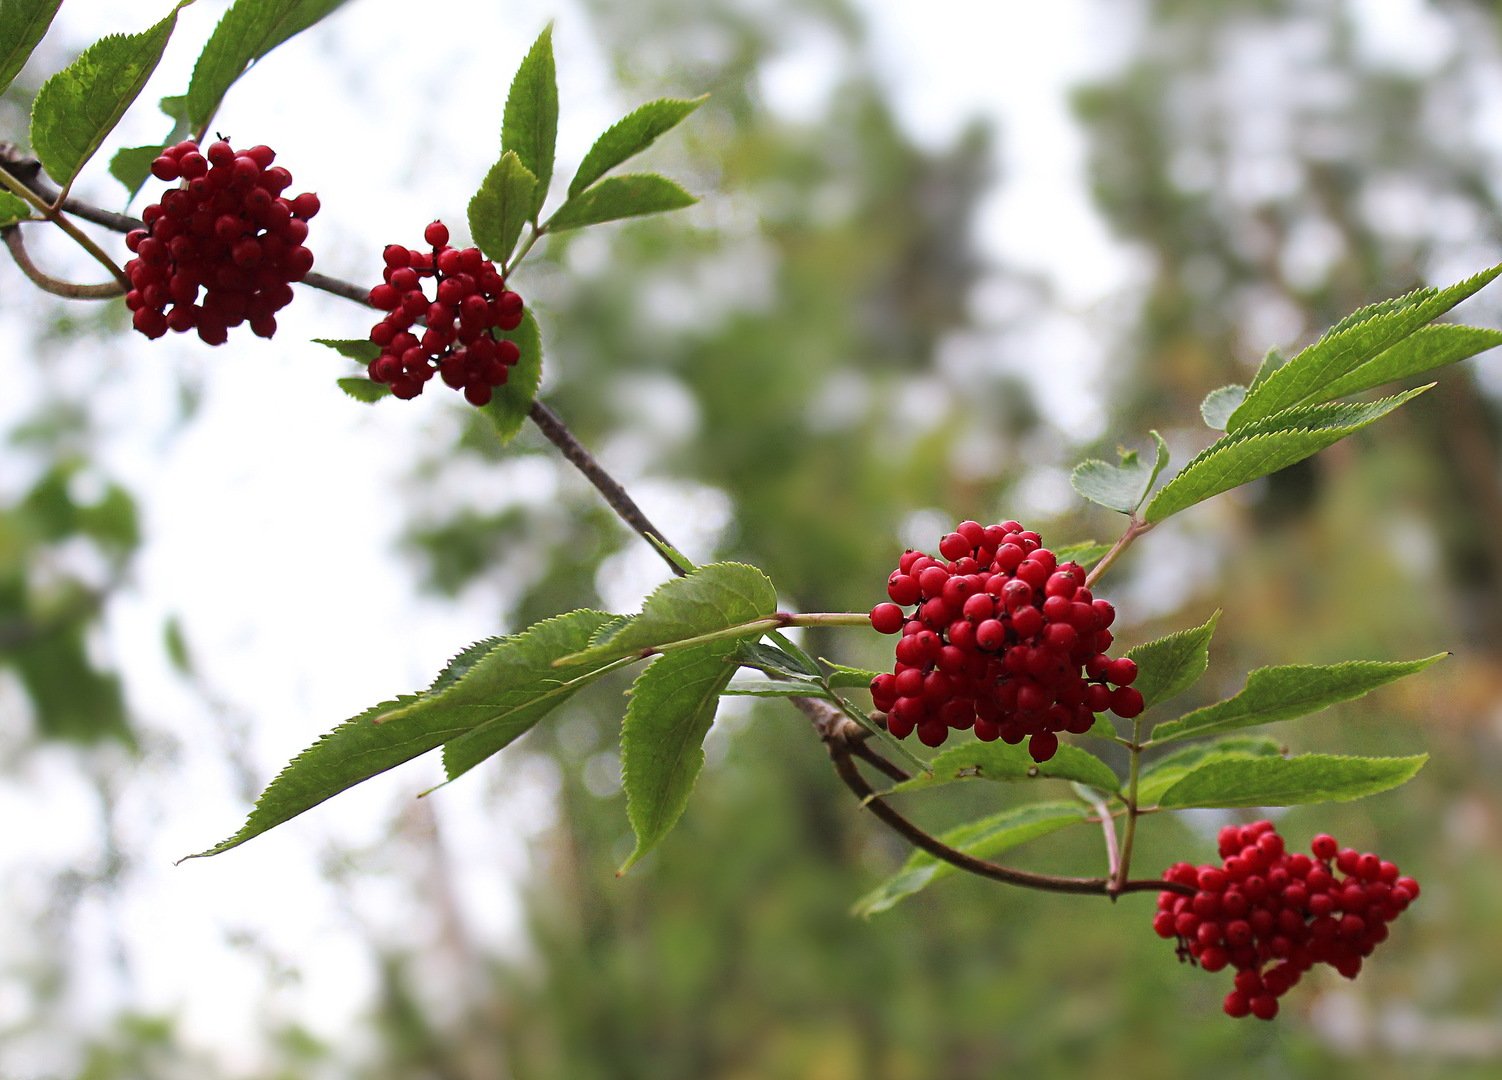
{"points": [[1273, 915], [470, 301], [1003, 639], [227, 234]]}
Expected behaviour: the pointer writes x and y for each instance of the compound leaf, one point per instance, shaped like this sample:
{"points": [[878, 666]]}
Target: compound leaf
{"points": [[502, 206], [1162, 774], [999, 761], [618, 197], [1120, 487], [77, 107], [529, 125], [629, 137], [1270, 781], [23, 24], [491, 692], [1172, 664], [983, 839]]}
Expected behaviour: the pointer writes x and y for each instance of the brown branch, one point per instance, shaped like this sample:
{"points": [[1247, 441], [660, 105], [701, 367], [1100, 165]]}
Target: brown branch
{"points": [[49, 284], [838, 735]]}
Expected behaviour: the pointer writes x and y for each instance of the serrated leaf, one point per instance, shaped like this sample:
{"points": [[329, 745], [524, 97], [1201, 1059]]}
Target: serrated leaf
{"points": [[619, 197], [1120, 487], [132, 165], [998, 761], [609, 629], [1423, 350], [1162, 774], [512, 400], [629, 137], [984, 839], [502, 206], [360, 350], [771, 688], [713, 598], [497, 696], [1220, 404], [23, 24], [1272, 360], [529, 125], [1172, 664], [249, 30], [364, 390], [12, 209], [1308, 778], [771, 659], [672, 706], [1256, 450], [1290, 691], [842, 676], [1087, 553], [1351, 343], [76, 108]]}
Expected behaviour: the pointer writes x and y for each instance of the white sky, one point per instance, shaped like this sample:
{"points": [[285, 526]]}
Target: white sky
{"points": [[269, 517]]}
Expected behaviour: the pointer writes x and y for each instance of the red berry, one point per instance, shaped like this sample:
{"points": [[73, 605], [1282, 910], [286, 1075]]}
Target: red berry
{"points": [[887, 618], [436, 234]]}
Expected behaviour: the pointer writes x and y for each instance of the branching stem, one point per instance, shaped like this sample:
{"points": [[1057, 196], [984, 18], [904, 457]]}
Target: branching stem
{"points": [[1134, 529]]}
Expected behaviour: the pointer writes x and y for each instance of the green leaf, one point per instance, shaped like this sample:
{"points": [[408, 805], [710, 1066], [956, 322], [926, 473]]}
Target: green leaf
{"points": [[1291, 691], [1308, 778], [12, 209], [1255, 450], [364, 390], [842, 676], [360, 350], [998, 761], [76, 108], [491, 692], [132, 165], [1170, 665], [1162, 774], [23, 24], [512, 400], [983, 839], [1423, 350], [629, 137], [714, 597], [672, 705], [502, 206], [1220, 404], [248, 31], [620, 197], [771, 688], [1272, 360], [1352, 342], [530, 123], [774, 661], [1120, 487], [1087, 553]]}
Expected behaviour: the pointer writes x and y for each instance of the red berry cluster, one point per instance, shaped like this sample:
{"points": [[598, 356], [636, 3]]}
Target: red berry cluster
{"points": [[1273, 915], [997, 642], [228, 232], [470, 301]]}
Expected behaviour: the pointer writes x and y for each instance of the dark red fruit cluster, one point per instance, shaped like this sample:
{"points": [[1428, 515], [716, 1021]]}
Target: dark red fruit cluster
{"points": [[470, 301], [1272, 915], [226, 233], [1004, 639]]}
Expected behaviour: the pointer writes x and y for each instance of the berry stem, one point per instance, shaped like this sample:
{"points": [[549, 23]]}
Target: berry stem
{"points": [[536, 233], [841, 736], [51, 210], [1108, 827], [48, 284], [1134, 529], [1129, 833]]}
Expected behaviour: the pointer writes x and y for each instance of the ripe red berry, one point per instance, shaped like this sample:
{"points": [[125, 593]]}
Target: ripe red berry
{"points": [[1272, 915], [222, 249], [1014, 633], [457, 323]]}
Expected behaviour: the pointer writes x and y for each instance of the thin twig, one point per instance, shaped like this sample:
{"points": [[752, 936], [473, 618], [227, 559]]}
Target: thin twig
{"points": [[1134, 529], [1108, 826], [624, 505], [831, 727], [48, 284]]}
